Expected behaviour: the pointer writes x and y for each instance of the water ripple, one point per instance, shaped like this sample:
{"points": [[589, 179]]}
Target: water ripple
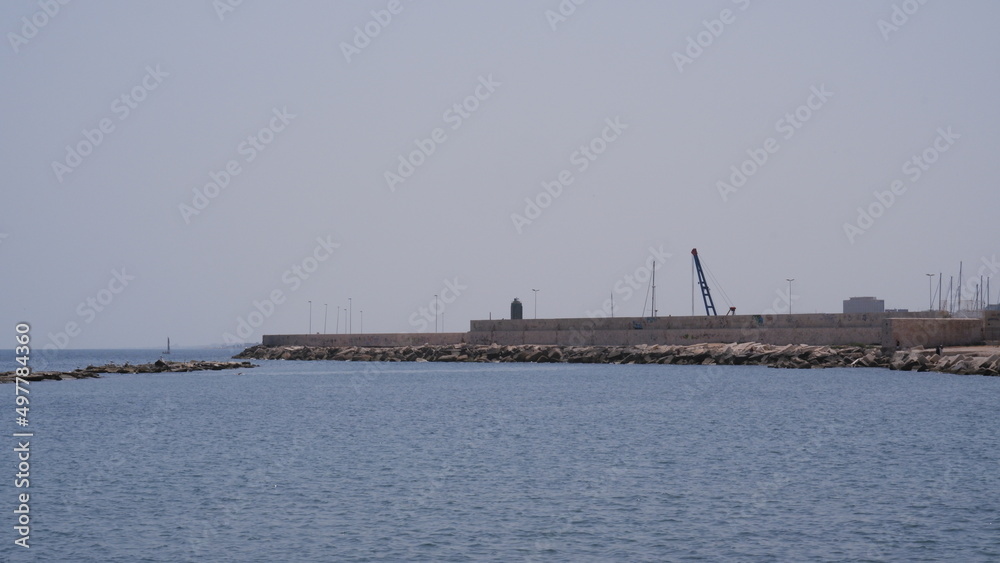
{"points": [[291, 461]]}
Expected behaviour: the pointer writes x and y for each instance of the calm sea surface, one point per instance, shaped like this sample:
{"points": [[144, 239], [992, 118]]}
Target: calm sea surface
{"points": [[325, 461]]}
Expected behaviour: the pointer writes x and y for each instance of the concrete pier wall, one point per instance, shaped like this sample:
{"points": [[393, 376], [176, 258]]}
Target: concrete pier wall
{"points": [[817, 329], [910, 333], [808, 320], [575, 337], [376, 339], [910, 329], [991, 326]]}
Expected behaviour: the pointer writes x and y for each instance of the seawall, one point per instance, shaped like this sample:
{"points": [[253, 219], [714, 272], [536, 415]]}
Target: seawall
{"points": [[930, 333], [981, 361], [375, 339], [816, 329], [927, 329]]}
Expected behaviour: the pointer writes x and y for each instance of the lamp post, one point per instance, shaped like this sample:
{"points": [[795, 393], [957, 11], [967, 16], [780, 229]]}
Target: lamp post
{"points": [[930, 292], [536, 301], [310, 317], [350, 315], [326, 309], [436, 307], [362, 329], [337, 330], [789, 280]]}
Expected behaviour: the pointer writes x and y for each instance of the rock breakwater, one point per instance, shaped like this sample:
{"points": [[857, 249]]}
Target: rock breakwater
{"points": [[159, 366], [749, 353], [983, 361], [791, 356]]}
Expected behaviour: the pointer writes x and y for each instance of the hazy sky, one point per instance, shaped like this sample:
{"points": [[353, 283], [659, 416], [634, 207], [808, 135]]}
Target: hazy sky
{"points": [[171, 168]]}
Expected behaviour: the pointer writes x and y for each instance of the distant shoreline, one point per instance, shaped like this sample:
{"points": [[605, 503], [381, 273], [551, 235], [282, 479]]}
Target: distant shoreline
{"points": [[982, 360]]}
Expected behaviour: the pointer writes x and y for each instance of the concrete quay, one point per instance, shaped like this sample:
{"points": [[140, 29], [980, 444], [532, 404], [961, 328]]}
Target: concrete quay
{"points": [[383, 339], [889, 330]]}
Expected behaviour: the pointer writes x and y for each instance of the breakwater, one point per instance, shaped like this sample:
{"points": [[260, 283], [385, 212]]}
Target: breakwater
{"points": [[891, 330], [159, 366], [749, 353], [895, 330], [793, 356]]}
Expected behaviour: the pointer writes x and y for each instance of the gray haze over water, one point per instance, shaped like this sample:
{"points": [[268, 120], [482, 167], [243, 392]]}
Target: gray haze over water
{"points": [[190, 169]]}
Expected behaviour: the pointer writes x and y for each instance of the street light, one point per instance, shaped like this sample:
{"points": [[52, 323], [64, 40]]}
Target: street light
{"points": [[789, 280], [310, 317], [930, 292], [362, 329], [337, 330], [536, 301], [326, 309], [350, 315], [436, 307]]}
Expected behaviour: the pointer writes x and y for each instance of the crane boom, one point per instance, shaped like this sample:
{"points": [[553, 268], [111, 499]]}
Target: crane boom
{"points": [[706, 295]]}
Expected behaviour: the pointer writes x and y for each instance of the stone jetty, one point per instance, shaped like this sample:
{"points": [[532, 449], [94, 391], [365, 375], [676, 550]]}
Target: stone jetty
{"points": [[159, 366], [749, 353], [966, 361]]}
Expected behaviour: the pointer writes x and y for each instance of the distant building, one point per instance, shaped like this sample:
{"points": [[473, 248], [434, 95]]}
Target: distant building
{"points": [[516, 309], [864, 305], [897, 310]]}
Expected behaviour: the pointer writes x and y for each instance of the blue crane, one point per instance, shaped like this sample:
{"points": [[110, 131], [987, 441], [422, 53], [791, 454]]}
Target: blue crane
{"points": [[706, 295]]}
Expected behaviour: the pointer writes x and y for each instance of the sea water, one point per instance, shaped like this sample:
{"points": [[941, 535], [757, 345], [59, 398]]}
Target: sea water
{"points": [[333, 461]]}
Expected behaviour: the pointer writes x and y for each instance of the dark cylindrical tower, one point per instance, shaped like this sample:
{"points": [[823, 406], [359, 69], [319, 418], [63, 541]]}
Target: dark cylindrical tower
{"points": [[516, 310]]}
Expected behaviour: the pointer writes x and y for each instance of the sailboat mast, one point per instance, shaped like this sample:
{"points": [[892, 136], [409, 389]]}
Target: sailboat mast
{"points": [[653, 304], [958, 289], [940, 280], [951, 294]]}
